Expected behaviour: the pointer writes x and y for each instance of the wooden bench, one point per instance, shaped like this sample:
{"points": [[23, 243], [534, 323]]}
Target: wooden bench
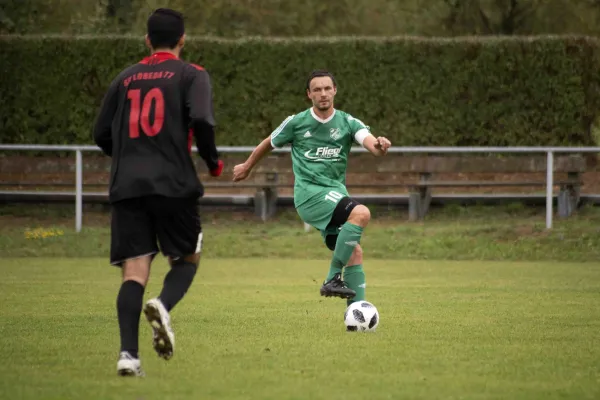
{"points": [[420, 194], [418, 175], [265, 195], [264, 199], [428, 174]]}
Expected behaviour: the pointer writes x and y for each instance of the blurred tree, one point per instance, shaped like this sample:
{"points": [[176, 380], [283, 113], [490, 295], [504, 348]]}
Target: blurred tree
{"points": [[236, 18], [17, 16], [121, 12], [6, 24], [515, 16], [491, 17]]}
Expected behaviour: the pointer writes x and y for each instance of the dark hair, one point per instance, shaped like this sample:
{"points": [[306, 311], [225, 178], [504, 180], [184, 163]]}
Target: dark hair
{"points": [[318, 73], [165, 28]]}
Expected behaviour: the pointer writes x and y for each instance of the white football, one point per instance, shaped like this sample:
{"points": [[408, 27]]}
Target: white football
{"points": [[361, 316]]}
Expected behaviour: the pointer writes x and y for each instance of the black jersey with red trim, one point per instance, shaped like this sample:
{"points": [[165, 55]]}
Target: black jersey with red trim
{"points": [[149, 117]]}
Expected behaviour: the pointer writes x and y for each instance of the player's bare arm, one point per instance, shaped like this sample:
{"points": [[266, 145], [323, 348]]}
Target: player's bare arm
{"points": [[377, 146], [241, 171]]}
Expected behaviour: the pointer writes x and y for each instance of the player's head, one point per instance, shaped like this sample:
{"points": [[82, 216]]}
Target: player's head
{"points": [[165, 30], [321, 89]]}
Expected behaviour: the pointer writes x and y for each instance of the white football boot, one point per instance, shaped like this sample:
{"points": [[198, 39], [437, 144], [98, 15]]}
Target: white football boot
{"points": [[129, 366], [164, 338]]}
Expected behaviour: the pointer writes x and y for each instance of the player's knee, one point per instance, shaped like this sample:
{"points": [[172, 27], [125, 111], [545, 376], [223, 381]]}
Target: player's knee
{"points": [[189, 259], [360, 215], [192, 259], [357, 256], [137, 269]]}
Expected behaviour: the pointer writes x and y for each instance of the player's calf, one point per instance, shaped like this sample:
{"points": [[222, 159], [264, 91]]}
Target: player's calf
{"points": [[349, 237], [178, 280], [357, 256], [354, 275]]}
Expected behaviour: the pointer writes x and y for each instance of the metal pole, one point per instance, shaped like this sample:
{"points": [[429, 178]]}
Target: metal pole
{"points": [[549, 188], [78, 189]]}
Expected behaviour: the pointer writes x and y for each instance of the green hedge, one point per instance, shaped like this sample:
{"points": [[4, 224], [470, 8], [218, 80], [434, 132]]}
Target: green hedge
{"points": [[482, 92]]}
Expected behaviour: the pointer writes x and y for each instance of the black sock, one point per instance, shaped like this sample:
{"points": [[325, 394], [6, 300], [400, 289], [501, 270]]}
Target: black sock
{"points": [[129, 308], [176, 284]]}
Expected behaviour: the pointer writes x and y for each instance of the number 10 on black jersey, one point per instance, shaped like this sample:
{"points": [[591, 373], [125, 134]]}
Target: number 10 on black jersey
{"points": [[141, 109]]}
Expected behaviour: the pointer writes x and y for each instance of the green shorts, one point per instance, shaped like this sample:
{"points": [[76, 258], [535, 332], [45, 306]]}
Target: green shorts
{"points": [[317, 208]]}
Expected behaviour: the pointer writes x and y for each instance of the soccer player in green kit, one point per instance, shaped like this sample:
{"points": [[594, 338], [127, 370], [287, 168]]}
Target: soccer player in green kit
{"points": [[321, 138]]}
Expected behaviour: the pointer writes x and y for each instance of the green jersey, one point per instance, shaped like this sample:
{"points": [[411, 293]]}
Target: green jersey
{"points": [[320, 150]]}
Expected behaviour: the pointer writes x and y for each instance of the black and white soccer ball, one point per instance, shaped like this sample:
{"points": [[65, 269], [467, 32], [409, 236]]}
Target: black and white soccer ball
{"points": [[361, 316]]}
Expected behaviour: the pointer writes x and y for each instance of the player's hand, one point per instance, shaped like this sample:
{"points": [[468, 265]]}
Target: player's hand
{"points": [[219, 170], [240, 172], [383, 144]]}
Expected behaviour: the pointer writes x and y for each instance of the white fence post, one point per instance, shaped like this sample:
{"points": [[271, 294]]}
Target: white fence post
{"points": [[549, 188], [78, 190]]}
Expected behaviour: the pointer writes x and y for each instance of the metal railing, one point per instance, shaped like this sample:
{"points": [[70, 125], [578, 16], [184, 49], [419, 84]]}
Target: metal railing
{"points": [[549, 151]]}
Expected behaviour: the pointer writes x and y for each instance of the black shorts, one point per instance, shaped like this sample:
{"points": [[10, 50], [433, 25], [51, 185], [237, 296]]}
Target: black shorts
{"points": [[339, 217], [139, 223]]}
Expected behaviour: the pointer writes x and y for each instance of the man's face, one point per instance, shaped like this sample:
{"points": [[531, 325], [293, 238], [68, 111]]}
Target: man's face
{"points": [[321, 93]]}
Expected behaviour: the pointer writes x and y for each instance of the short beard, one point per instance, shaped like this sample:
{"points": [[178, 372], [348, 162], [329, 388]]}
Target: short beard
{"points": [[318, 106]]}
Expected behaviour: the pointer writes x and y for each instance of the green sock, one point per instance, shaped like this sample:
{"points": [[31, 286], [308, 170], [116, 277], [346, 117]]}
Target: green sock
{"points": [[348, 239], [354, 276]]}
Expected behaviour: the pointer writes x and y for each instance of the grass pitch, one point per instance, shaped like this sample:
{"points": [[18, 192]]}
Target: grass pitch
{"points": [[484, 233], [257, 329]]}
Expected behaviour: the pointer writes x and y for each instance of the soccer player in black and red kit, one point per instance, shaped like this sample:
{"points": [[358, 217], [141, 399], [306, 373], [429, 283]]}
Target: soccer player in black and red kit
{"points": [[150, 116]]}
